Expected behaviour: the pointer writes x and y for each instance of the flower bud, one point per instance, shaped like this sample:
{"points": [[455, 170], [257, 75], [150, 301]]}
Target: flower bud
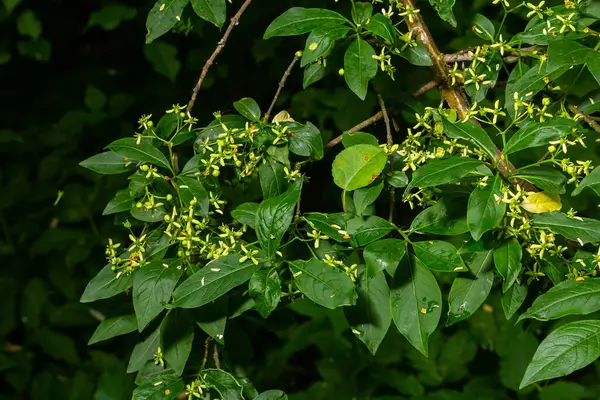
{"points": [[546, 101], [299, 53], [144, 167], [182, 114], [238, 163], [139, 204], [571, 170], [167, 217], [551, 148], [341, 72], [150, 124], [169, 197], [216, 173]]}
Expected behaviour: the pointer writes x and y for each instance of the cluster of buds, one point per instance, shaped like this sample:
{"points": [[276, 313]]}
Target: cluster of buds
{"points": [[127, 262], [524, 108], [350, 270]]}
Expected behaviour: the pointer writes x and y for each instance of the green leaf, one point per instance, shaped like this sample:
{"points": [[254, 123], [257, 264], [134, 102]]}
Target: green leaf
{"points": [[272, 395], [538, 134], [555, 269], [444, 10], [121, 202], [359, 67], [370, 318], [547, 179], [441, 172], [358, 166], [272, 179], [352, 139], [110, 16], [299, 20], [366, 196], [325, 223], [593, 64], [361, 12], [473, 133], [438, 255], [313, 73], [512, 299], [191, 189], [163, 58], [144, 151], [381, 26], [159, 386], [441, 219], [468, 294], [507, 259], [397, 179], [57, 345], [248, 108], [591, 181], [105, 285], [384, 255], [416, 303], [566, 298], [325, 285], [163, 16], [321, 41], [155, 214], [222, 382], [111, 327], [585, 230], [417, 55], [94, 98], [29, 25], [144, 351], [246, 214], [265, 289], [152, 288], [212, 11], [305, 140], [363, 232], [177, 336], [212, 318], [274, 217], [568, 348], [484, 212], [108, 163], [567, 53], [484, 28], [213, 281]]}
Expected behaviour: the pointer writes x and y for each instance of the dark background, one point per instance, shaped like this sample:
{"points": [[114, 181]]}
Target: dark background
{"points": [[52, 117]]}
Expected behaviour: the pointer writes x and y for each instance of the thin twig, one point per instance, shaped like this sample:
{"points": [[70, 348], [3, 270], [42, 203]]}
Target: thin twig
{"points": [[362, 125], [425, 88], [216, 357], [287, 73], [390, 142], [220, 46], [206, 347], [510, 57], [589, 120]]}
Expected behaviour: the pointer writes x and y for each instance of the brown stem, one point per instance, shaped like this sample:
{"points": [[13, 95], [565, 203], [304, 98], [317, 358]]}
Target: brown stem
{"points": [[425, 88], [287, 73], [589, 120], [206, 347], [216, 357], [510, 57], [390, 142], [220, 46], [362, 125]]}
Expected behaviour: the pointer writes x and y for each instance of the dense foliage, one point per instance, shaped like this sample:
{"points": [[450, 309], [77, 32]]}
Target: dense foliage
{"points": [[269, 247]]}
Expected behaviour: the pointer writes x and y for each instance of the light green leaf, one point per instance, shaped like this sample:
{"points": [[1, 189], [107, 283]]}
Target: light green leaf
{"points": [[384, 254], [212, 11], [416, 303], [274, 217], [444, 10], [567, 298], [381, 26], [547, 179], [512, 299], [507, 259], [358, 166], [144, 151], [585, 230], [397, 179], [152, 288], [299, 20], [105, 285], [467, 294], [444, 218], [484, 212], [438, 255], [112, 327], [248, 108], [352, 139], [359, 67], [370, 318], [473, 133], [441, 172], [108, 163], [321, 41], [483, 27], [591, 181], [326, 286], [361, 12], [162, 17], [163, 58], [212, 281], [568, 348], [223, 382], [538, 134], [177, 335], [366, 196], [246, 214]]}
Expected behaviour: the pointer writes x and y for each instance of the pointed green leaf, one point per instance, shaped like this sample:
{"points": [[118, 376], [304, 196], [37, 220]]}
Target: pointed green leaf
{"points": [[272, 179], [538, 134], [246, 214], [441, 172], [144, 351], [107, 163], [444, 10], [384, 255], [265, 289], [144, 151], [444, 218], [321, 41], [547, 179], [177, 336], [248, 108], [352, 139], [473, 133], [484, 212], [191, 189], [358, 166], [585, 230], [592, 181], [507, 259], [359, 67], [364, 231], [438, 255], [366, 196], [105, 285], [512, 299], [305, 140], [112, 327], [313, 73], [223, 382], [163, 16], [121, 202], [483, 27], [381, 26], [212, 11], [299, 20]]}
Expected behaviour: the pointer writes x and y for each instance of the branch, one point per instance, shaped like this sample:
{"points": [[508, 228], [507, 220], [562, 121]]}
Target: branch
{"points": [[510, 57], [390, 142], [589, 120], [216, 357], [220, 46], [356, 128], [287, 73], [425, 88]]}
